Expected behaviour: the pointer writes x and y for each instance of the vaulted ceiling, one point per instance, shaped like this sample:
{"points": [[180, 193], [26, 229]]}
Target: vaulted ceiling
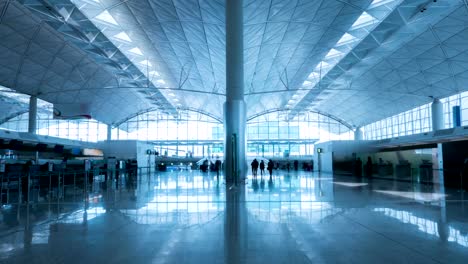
{"points": [[356, 60]]}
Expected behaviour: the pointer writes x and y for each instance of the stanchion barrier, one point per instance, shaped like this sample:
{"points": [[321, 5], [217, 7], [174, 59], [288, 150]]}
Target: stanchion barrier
{"points": [[54, 187]]}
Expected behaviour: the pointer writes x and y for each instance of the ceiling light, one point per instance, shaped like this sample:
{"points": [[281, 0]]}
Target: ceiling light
{"points": [[105, 16], [176, 100], [171, 94], [161, 81]]}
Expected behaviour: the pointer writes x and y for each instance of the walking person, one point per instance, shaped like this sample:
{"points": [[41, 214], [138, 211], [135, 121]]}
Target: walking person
{"points": [[217, 167], [270, 166], [254, 165], [262, 168]]}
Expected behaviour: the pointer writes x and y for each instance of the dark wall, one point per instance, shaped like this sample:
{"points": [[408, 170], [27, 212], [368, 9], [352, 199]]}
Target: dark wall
{"points": [[454, 155]]}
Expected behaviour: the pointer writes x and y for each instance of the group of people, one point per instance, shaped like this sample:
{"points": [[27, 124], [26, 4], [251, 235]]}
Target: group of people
{"points": [[357, 170], [255, 164]]}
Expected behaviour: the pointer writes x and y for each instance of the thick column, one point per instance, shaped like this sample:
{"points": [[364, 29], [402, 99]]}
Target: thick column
{"points": [[32, 114], [358, 134], [234, 108], [437, 115], [109, 132]]}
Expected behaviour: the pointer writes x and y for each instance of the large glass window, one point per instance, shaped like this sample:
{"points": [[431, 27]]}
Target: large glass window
{"points": [[274, 135], [417, 120], [83, 130]]}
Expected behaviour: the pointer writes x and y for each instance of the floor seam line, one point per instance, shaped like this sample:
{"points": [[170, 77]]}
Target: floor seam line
{"points": [[391, 239]]}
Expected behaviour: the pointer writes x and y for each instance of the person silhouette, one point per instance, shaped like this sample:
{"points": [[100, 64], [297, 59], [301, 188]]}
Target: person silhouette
{"points": [[270, 166], [262, 168], [254, 165], [217, 167]]}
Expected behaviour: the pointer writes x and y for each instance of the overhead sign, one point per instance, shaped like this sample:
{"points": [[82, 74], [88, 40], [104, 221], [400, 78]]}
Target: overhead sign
{"points": [[93, 152]]}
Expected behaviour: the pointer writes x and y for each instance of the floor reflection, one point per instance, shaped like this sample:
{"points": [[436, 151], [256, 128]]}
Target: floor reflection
{"points": [[438, 229], [191, 217]]}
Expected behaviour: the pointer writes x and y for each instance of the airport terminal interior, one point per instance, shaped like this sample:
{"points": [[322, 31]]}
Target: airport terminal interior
{"points": [[233, 131]]}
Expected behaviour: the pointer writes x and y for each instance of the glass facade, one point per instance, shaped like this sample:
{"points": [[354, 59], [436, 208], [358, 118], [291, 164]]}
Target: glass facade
{"points": [[417, 120], [196, 134], [83, 129], [274, 135], [270, 134]]}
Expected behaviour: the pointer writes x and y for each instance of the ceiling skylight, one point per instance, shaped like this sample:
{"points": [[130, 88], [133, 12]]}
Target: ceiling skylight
{"points": [[136, 51], [323, 65], [346, 39], [105, 16], [314, 75], [333, 53], [146, 63], [364, 20], [377, 3], [154, 73], [123, 36]]}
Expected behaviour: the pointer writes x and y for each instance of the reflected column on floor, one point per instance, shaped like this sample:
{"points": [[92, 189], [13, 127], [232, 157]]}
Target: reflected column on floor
{"points": [[235, 226]]}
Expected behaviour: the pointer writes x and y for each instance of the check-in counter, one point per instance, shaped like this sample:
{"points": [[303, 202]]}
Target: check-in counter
{"points": [[385, 170], [403, 171]]}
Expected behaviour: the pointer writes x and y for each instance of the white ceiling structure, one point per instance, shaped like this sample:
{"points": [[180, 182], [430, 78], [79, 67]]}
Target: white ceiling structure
{"points": [[357, 61]]}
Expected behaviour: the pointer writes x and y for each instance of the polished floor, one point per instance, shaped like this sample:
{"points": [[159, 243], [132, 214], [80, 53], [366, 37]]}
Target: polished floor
{"points": [[191, 217]]}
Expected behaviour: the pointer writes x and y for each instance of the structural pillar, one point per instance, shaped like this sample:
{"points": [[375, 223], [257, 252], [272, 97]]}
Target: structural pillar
{"points": [[235, 108], [109, 132], [437, 115], [32, 114], [358, 134]]}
